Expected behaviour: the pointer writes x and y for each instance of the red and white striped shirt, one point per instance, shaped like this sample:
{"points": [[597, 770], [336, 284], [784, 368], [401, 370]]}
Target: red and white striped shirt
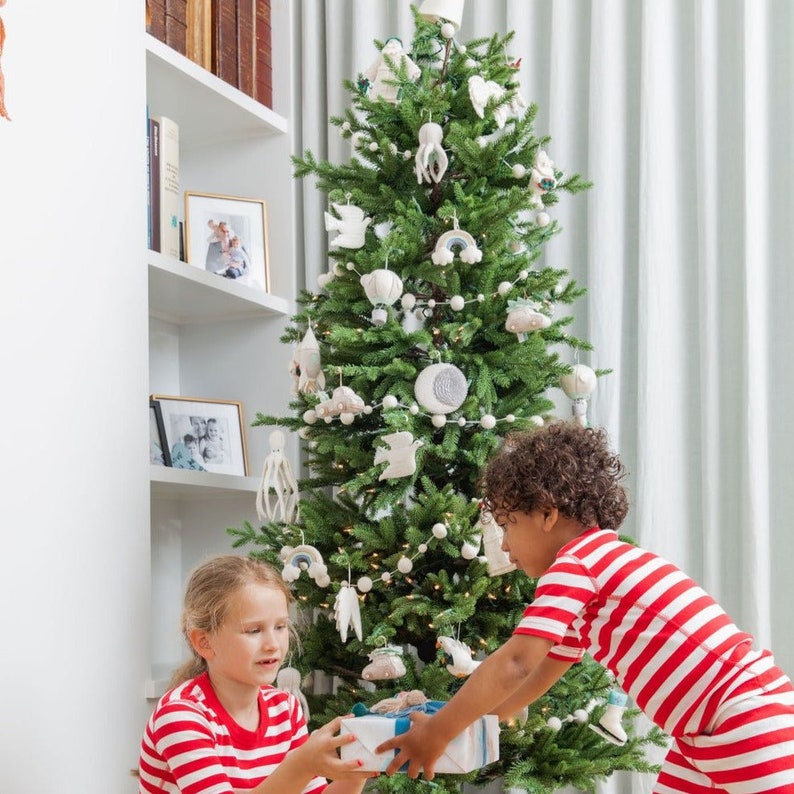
{"points": [[192, 746], [666, 641]]}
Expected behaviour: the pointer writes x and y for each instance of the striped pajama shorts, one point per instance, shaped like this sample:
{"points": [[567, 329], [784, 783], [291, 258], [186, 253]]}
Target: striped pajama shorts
{"points": [[749, 748]]}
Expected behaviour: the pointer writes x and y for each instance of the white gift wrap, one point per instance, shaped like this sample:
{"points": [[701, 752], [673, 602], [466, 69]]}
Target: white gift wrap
{"points": [[477, 746]]}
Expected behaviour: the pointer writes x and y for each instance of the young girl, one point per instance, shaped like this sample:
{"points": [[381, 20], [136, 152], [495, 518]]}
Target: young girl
{"points": [[223, 727], [670, 646]]}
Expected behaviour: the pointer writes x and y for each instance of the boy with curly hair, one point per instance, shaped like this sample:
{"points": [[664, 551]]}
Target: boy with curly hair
{"points": [[556, 492]]}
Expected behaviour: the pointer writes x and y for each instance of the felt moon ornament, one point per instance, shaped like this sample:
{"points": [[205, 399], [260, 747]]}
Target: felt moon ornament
{"points": [[441, 388], [444, 252]]}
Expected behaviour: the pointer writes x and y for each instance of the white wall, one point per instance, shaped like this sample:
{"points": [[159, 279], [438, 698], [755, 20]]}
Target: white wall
{"points": [[74, 510]]}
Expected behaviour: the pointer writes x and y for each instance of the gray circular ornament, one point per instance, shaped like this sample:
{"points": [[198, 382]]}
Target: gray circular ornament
{"points": [[441, 388]]}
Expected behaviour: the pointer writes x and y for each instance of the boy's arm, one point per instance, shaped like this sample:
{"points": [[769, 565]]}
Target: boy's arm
{"points": [[490, 685], [539, 681]]}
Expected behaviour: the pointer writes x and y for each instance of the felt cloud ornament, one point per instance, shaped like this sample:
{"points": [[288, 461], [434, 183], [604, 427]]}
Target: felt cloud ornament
{"points": [[351, 224]]}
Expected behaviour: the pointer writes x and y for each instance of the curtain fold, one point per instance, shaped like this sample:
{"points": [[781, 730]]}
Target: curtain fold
{"points": [[681, 113]]}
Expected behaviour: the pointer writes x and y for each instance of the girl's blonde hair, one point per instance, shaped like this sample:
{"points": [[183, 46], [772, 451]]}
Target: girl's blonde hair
{"points": [[208, 596]]}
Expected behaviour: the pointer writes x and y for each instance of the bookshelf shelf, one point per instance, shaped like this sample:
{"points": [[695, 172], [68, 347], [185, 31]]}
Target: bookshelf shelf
{"points": [[182, 294], [167, 482], [207, 109]]}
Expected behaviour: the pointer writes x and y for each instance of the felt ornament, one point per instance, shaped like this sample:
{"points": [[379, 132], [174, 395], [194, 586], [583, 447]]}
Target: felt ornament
{"points": [[460, 654], [579, 384], [381, 77], [400, 455], [444, 253], [277, 495], [347, 611], [610, 726], [351, 225], [441, 388], [443, 11], [431, 159], [523, 316], [492, 534], [289, 680], [542, 178], [385, 663], [382, 287], [509, 105], [398, 702], [304, 558], [343, 402], [306, 366]]}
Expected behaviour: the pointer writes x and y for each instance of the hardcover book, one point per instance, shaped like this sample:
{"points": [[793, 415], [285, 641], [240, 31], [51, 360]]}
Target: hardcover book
{"points": [[224, 40], [153, 192], [169, 192], [263, 69]]}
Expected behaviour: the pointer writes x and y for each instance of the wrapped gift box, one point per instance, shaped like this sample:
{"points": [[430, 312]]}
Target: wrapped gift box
{"points": [[477, 746]]}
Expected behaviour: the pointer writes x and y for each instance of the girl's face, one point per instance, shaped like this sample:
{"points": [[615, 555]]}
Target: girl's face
{"points": [[212, 432], [251, 645]]}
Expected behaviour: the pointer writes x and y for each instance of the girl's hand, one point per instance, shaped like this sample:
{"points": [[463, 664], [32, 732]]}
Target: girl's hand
{"points": [[320, 755]]}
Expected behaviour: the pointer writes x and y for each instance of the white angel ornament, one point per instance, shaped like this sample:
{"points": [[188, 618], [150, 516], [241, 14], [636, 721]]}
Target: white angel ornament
{"points": [[381, 75], [462, 662], [277, 495], [401, 455], [347, 611], [306, 366], [431, 159]]}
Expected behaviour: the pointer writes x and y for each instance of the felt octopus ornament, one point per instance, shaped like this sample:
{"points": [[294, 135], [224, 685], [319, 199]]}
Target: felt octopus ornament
{"points": [[431, 159], [3, 111], [277, 495]]}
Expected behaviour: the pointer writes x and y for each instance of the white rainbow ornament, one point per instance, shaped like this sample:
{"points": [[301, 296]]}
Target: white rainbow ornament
{"points": [[444, 253], [304, 558]]}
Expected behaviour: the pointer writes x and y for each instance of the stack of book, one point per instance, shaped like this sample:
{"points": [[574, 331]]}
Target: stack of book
{"points": [[230, 38]]}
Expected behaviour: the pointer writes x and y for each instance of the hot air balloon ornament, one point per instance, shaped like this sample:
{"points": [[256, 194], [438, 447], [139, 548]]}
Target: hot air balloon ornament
{"points": [[578, 385], [382, 288]]}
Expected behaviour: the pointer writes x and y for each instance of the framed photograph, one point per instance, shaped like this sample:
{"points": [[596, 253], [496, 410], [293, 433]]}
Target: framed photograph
{"points": [[228, 236], [204, 435], [158, 449]]}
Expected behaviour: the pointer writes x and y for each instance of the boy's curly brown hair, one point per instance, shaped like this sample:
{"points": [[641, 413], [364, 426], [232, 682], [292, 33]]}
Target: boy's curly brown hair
{"points": [[562, 465]]}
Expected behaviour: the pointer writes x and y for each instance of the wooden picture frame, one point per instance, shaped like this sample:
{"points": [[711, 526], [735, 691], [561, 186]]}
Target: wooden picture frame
{"points": [[158, 448], [212, 222], [203, 434]]}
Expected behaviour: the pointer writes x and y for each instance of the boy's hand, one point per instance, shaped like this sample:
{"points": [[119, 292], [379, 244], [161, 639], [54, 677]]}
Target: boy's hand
{"points": [[420, 748]]}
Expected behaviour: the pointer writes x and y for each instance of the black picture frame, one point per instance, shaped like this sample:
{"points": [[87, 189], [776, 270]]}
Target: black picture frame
{"points": [[159, 454]]}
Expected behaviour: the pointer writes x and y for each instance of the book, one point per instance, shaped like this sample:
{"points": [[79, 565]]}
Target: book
{"points": [[169, 192], [153, 189], [263, 58], [176, 25], [224, 40], [199, 32], [156, 19]]}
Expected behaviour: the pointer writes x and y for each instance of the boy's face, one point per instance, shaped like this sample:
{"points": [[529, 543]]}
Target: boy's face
{"points": [[529, 541]]}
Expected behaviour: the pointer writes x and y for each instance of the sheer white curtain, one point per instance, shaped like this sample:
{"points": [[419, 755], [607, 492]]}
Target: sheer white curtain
{"points": [[681, 112]]}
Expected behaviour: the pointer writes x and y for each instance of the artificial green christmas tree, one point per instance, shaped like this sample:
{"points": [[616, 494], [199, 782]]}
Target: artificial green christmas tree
{"points": [[433, 335]]}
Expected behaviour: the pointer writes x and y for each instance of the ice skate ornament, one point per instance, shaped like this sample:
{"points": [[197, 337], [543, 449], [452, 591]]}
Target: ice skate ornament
{"points": [[277, 495], [304, 558], [400, 455], [444, 253], [610, 726], [347, 611], [542, 178], [306, 366], [523, 316], [352, 226], [381, 76], [382, 287], [385, 663], [431, 159], [498, 562], [460, 653], [289, 680], [3, 111]]}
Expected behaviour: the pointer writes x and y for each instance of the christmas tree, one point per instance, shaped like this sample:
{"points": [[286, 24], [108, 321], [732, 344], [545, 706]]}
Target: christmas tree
{"points": [[434, 333]]}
